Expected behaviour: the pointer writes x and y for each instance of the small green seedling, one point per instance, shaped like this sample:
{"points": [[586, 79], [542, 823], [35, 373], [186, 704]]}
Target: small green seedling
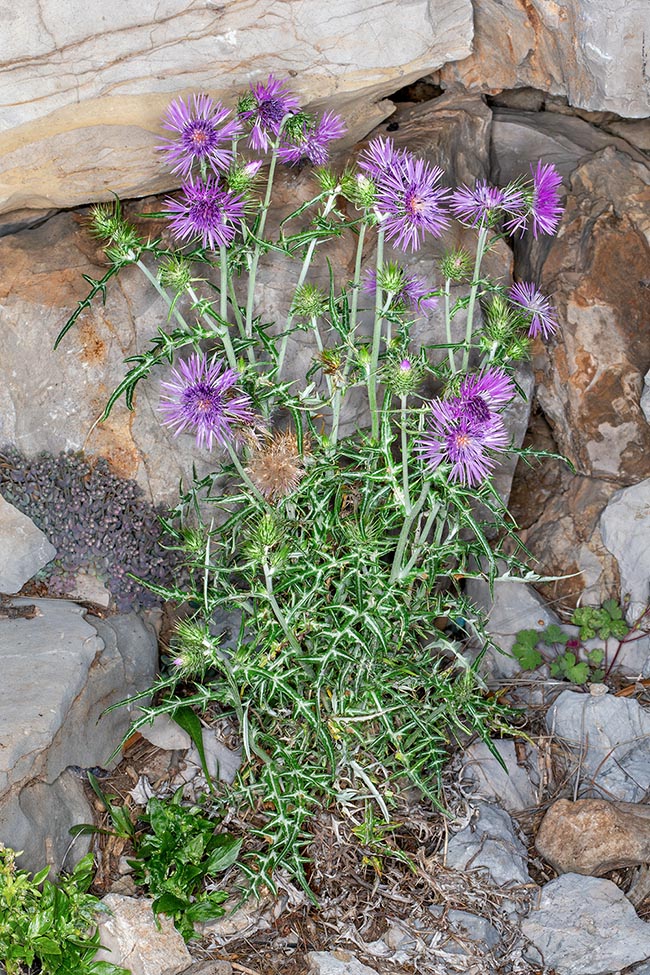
{"points": [[567, 657]]}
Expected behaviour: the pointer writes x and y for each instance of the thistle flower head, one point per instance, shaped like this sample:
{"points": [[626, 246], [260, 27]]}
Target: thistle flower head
{"points": [[175, 272], [263, 108], [484, 204], [277, 467], [202, 397], [308, 302], [456, 265], [202, 135], [536, 308], [403, 374], [500, 323], [540, 202], [481, 393], [265, 539], [240, 178], [311, 140], [105, 220], [193, 649], [411, 202], [205, 211], [381, 158], [408, 290], [461, 443]]}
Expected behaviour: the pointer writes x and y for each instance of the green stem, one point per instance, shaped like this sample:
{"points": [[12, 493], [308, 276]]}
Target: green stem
{"points": [[301, 280], [405, 467], [163, 294], [280, 617], [452, 360], [220, 330], [250, 299], [480, 250], [406, 528], [376, 340], [419, 545], [356, 281], [223, 261], [242, 473]]}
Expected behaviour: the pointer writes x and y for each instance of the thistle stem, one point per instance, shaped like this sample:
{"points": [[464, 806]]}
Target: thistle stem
{"points": [[221, 331], [242, 473], [250, 298], [405, 468], [480, 250], [356, 281], [306, 264], [376, 341], [223, 294], [412, 514], [450, 351], [163, 294]]}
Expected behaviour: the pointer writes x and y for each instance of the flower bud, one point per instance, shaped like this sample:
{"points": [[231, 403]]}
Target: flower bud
{"points": [[308, 302], [403, 374], [457, 265], [175, 273]]}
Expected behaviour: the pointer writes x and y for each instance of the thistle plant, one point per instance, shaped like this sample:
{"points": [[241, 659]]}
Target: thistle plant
{"points": [[344, 555]]}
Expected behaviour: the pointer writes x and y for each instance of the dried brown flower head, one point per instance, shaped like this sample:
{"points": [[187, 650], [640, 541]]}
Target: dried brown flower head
{"points": [[277, 467]]}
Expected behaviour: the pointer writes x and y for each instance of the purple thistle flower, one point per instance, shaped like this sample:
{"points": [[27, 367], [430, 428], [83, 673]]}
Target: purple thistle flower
{"points": [[462, 443], [206, 211], [474, 206], [530, 300], [314, 142], [381, 158], [201, 135], [272, 101], [411, 202], [480, 394], [411, 290], [202, 398], [541, 202]]}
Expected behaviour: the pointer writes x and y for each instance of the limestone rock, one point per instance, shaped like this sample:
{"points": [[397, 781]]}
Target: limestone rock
{"points": [[592, 55], [645, 397], [336, 963], [490, 843], [75, 136], [624, 526], [586, 926], [24, 549], [513, 789], [590, 377], [133, 938], [520, 138], [165, 733], [611, 736], [514, 606], [592, 836], [63, 670], [590, 387]]}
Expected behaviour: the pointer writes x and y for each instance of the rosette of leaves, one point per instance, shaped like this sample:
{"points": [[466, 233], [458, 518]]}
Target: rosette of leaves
{"points": [[96, 520]]}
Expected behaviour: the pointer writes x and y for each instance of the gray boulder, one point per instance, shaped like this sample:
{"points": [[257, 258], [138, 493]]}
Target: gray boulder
{"points": [[625, 528], [24, 549], [610, 738], [586, 926], [490, 843], [61, 669]]}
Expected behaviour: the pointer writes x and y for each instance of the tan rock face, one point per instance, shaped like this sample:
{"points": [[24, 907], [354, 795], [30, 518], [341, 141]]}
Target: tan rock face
{"points": [[592, 54], [592, 836], [590, 378], [86, 89]]}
